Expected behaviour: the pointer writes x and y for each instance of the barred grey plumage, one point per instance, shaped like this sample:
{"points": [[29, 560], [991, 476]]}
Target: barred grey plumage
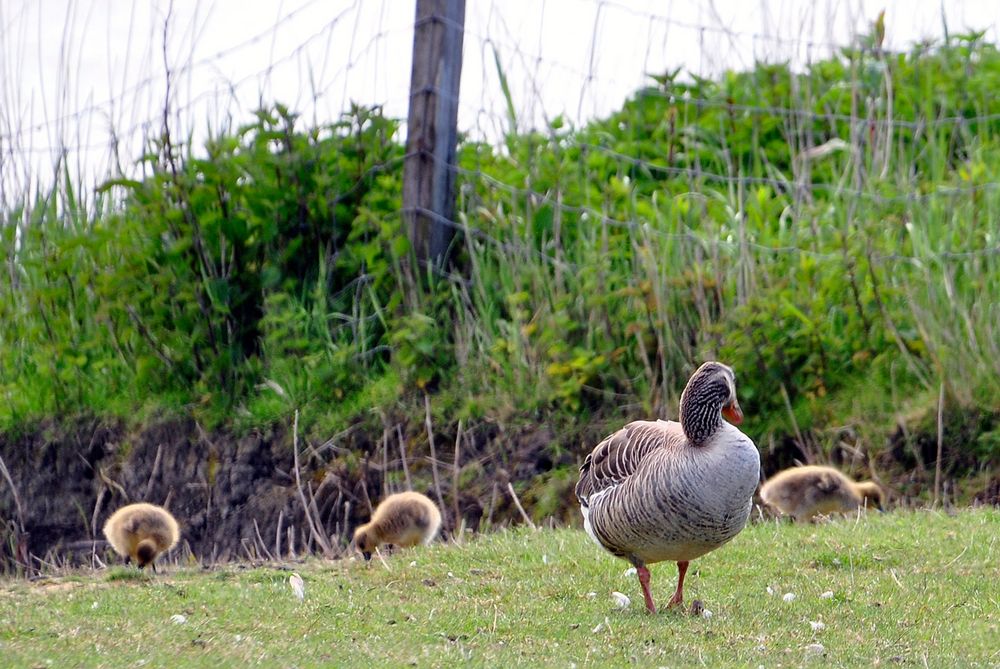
{"points": [[663, 490]]}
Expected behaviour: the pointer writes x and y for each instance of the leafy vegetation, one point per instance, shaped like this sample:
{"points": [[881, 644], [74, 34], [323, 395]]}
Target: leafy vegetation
{"points": [[901, 588], [831, 233]]}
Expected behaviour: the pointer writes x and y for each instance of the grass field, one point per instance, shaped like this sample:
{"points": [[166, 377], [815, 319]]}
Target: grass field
{"points": [[908, 589]]}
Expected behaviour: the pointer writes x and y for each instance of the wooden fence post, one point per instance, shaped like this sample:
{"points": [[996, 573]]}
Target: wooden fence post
{"points": [[431, 135]]}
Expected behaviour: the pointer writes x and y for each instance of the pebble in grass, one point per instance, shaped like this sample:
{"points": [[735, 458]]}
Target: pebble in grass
{"points": [[620, 599], [298, 586], [815, 649]]}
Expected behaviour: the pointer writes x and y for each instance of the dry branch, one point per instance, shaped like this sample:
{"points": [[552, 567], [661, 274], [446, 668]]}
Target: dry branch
{"points": [[316, 534], [430, 441]]}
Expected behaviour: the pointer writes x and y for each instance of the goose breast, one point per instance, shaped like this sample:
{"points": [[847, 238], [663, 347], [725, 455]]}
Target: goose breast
{"points": [[652, 495]]}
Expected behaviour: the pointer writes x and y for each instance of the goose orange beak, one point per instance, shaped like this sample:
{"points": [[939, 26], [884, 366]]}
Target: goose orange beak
{"points": [[732, 413]]}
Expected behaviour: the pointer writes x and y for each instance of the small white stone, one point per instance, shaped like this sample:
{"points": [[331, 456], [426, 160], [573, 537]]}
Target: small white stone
{"points": [[817, 625], [413, 563], [591, 595], [827, 595], [621, 599], [770, 590], [298, 586], [629, 572], [601, 626], [815, 649], [706, 613], [94, 605], [545, 558], [178, 619], [789, 597]]}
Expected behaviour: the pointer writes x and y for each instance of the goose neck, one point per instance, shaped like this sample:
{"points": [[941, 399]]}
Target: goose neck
{"points": [[699, 420]]}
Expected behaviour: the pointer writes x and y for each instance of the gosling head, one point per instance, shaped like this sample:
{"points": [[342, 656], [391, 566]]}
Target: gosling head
{"points": [[365, 541], [145, 553], [872, 493]]}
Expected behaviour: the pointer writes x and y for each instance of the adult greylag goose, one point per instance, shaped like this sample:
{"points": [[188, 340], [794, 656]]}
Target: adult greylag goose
{"points": [[141, 532], [663, 490], [806, 492], [404, 519]]}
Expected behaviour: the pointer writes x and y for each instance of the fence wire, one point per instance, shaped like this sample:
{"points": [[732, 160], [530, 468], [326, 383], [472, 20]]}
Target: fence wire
{"points": [[524, 67]]}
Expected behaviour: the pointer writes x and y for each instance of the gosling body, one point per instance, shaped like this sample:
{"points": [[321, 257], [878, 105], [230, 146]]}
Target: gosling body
{"points": [[141, 532], [404, 519], [812, 490]]}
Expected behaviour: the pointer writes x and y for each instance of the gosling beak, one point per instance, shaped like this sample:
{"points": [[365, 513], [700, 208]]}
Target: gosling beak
{"points": [[367, 555], [732, 412]]}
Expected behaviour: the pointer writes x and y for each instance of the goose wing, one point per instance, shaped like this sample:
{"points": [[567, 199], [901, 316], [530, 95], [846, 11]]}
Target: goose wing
{"points": [[621, 454]]}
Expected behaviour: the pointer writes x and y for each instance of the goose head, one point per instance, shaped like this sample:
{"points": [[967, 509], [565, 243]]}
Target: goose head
{"points": [[709, 395]]}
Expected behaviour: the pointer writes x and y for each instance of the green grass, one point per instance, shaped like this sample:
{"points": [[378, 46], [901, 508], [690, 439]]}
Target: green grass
{"points": [[910, 589]]}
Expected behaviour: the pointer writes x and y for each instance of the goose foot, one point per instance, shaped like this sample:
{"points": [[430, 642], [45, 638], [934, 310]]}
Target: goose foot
{"points": [[678, 597]]}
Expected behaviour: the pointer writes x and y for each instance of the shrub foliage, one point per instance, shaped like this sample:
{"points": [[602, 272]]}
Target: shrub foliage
{"points": [[831, 233]]}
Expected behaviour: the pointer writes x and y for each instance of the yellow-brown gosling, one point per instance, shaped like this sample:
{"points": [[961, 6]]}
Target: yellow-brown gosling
{"points": [[141, 532], [404, 519], [663, 490], [806, 492]]}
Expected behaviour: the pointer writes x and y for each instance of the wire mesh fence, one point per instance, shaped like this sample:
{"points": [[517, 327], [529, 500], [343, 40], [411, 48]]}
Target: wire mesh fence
{"points": [[821, 166]]}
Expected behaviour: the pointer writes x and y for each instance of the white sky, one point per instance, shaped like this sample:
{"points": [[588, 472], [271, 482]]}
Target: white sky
{"points": [[74, 72]]}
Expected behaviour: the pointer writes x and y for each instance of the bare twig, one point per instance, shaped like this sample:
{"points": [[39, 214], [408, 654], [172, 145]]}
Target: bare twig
{"points": [[364, 488], [795, 425], [277, 534], [454, 476], [153, 471], [381, 559], [430, 441], [97, 509], [260, 540], [517, 503], [347, 513], [316, 534], [493, 505], [385, 462], [13, 490], [940, 445], [956, 558], [402, 456]]}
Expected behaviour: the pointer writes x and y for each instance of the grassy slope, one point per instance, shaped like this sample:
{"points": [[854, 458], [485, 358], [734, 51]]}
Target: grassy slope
{"points": [[913, 588]]}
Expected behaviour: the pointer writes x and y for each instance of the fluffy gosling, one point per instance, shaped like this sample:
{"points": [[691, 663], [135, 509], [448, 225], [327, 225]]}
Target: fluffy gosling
{"points": [[141, 532], [806, 492], [404, 519]]}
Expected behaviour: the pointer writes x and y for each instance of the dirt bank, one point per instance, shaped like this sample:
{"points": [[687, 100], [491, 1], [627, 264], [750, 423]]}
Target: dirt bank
{"points": [[237, 496]]}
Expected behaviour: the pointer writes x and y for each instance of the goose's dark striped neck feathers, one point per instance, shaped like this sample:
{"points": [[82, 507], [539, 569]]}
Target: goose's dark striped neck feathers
{"points": [[710, 389]]}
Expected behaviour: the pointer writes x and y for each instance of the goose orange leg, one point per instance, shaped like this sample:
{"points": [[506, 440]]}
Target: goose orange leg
{"points": [[643, 572], [678, 597]]}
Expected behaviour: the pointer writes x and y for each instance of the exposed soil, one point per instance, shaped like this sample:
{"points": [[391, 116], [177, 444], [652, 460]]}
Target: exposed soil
{"points": [[237, 497]]}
